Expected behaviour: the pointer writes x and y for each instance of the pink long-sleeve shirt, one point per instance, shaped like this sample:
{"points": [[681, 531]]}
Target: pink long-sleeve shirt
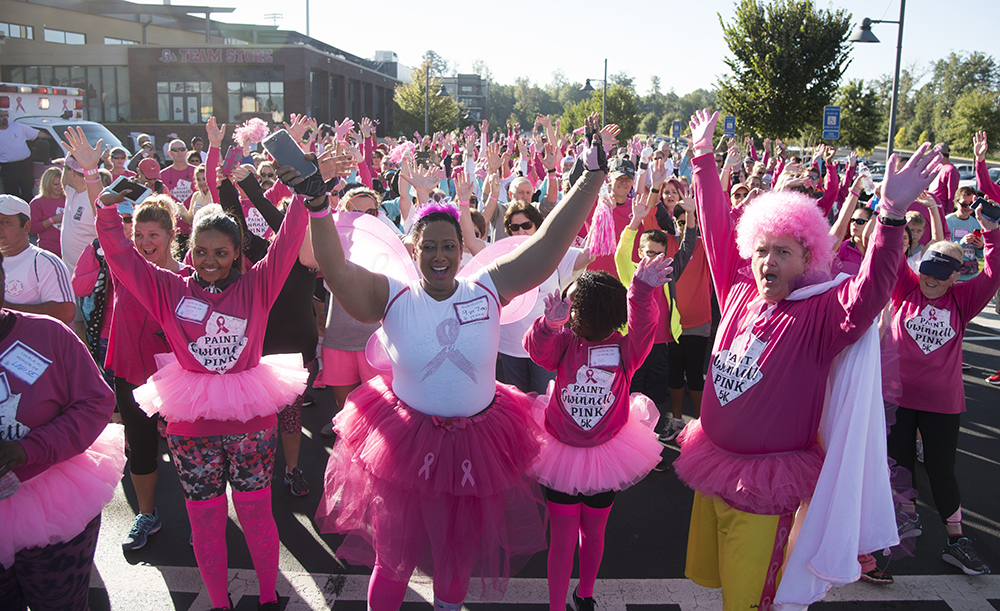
{"points": [[591, 399], [765, 388], [209, 333], [928, 333], [54, 401]]}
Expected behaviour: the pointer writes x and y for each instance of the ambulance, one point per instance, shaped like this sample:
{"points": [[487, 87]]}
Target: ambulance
{"points": [[51, 110]]}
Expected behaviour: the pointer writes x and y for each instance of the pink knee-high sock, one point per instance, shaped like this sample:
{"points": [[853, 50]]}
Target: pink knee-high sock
{"points": [[208, 531], [592, 525], [254, 511], [564, 529], [385, 593]]}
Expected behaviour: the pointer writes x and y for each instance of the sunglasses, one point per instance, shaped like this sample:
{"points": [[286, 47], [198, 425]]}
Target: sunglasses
{"points": [[860, 221], [178, 150], [739, 196], [681, 222], [526, 226], [966, 205], [126, 218], [271, 176]]}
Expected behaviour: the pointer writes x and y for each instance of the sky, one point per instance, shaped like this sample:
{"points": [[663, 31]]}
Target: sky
{"points": [[680, 41]]}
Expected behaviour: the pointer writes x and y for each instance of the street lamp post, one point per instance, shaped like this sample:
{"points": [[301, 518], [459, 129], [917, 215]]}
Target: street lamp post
{"points": [[604, 94], [864, 34], [427, 99]]}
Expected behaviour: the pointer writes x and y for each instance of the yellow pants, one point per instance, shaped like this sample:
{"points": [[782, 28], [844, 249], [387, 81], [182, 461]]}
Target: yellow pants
{"points": [[740, 552]]}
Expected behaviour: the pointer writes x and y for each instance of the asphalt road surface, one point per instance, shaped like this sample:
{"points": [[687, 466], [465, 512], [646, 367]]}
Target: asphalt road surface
{"points": [[643, 566]]}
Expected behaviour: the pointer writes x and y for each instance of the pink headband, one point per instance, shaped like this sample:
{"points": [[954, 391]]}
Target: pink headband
{"points": [[449, 209]]}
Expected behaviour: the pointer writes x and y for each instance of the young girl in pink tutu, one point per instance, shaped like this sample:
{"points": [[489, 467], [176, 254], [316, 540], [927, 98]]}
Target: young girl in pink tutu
{"points": [[219, 397], [432, 467], [596, 438]]}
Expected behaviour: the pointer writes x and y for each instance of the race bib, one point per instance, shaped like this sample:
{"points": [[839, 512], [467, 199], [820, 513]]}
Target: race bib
{"points": [[930, 329], [472, 311], [737, 369], [589, 398], [604, 356], [223, 342], [24, 363], [192, 310]]}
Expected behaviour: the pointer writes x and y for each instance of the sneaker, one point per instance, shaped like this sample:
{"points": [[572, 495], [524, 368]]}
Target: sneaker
{"points": [[920, 450], [994, 379], [308, 401], [907, 526], [962, 555], [296, 482], [674, 427], [582, 604], [327, 431], [966, 366], [661, 466], [877, 577], [145, 524]]}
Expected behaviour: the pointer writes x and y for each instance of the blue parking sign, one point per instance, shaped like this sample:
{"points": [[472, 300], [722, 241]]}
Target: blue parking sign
{"points": [[675, 131], [831, 122], [729, 127]]}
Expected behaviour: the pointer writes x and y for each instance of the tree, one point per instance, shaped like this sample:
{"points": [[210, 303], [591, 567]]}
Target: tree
{"points": [[483, 70], [649, 124], [622, 110], [975, 110], [622, 78], [787, 61], [409, 101], [439, 65], [860, 121]]}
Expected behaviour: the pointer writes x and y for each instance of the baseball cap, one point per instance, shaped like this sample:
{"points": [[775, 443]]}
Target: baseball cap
{"points": [[150, 168], [73, 164], [939, 265], [620, 166], [737, 187], [11, 204]]}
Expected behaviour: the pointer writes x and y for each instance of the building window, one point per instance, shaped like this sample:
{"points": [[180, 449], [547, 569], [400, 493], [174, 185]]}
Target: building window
{"points": [[119, 41], [65, 38], [465, 89], [105, 88], [14, 30], [183, 95], [254, 91]]}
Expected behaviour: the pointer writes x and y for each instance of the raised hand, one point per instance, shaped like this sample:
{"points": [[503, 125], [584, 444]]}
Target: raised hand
{"points": [[215, 133], [549, 157], [979, 146], [557, 310], [77, 145], [640, 210], [852, 159], [484, 127], [463, 186], [594, 156], [340, 130], [985, 223], [733, 157], [654, 272], [901, 187], [297, 129], [702, 128], [828, 153], [657, 173], [609, 134], [239, 172], [331, 165], [493, 156], [366, 128]]}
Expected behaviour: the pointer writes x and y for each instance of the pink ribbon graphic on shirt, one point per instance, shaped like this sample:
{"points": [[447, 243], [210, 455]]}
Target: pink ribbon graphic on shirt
{"points": [[426, 469], [447, 333], [467, 470], [20, 106], [932, 314], [221, 322], [590, 376]]}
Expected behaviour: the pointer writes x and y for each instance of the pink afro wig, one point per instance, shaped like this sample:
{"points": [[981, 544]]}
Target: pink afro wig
{"points": [[788, 213]]}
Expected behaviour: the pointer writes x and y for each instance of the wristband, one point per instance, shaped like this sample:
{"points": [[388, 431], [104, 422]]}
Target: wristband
{"points": [[90, 172], [318, 214], [885, 220], [855, 194], [552, 171], [643, 165], [655, 190], [324, 204], [92, 180], [463, 203]]}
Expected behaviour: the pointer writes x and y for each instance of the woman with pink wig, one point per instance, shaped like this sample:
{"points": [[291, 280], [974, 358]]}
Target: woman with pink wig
{"points": [[753, 457]]}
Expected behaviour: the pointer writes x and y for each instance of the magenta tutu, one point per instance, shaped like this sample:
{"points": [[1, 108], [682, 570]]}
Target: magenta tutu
{"points": [[56, 505], [615, 464], [443, 495], [771, 484], [182, 395]]}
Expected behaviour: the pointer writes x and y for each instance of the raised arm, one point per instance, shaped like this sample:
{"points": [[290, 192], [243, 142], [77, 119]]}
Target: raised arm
{"points": [[536, 259], [463, 190], [983, 181], [215, 135], [843, 222]]}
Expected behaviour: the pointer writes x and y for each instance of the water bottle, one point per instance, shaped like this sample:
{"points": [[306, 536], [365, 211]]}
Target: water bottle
{"points": [[9, 484], [867, 183]]}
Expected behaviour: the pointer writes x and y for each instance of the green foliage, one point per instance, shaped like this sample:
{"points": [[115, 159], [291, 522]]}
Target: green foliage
{"points": [[409, 101], [786, 63], [439, 65], [900, 139], [622, 109], [648, 124], [860, 119], [975, 110]]}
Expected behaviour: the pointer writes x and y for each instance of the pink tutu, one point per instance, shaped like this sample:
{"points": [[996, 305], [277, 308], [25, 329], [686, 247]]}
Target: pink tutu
{"points": [[182, 395], [450, 496], [56, 505], [615, 464], [769, 484]]}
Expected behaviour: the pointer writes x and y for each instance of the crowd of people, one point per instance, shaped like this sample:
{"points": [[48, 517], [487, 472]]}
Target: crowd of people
{"points": [[406, 273]]}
